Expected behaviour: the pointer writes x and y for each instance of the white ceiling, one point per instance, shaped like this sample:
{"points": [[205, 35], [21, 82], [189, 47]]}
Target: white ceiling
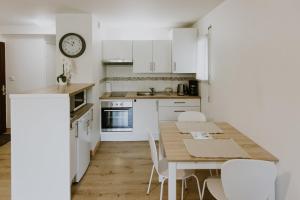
{"points": [[152, 13]]}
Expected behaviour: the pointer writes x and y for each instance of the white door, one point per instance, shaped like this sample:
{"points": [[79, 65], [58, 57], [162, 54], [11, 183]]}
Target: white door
{"points": [[83, 147], [117, 49], [184, 50], [162, 56], [142, 56], [145, 116]]}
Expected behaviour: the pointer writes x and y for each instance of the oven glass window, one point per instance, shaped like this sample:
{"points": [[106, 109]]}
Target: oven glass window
{"points": [[117, 118]]}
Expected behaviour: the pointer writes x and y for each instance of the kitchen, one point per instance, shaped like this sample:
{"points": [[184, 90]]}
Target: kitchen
{"points": [[114, 84]]}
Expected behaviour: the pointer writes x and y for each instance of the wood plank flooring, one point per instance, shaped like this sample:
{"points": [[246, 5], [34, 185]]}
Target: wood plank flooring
{"points": [[118, 171]]}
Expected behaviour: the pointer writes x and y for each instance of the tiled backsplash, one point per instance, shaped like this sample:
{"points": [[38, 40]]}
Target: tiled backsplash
{"points": [[123, 79]]}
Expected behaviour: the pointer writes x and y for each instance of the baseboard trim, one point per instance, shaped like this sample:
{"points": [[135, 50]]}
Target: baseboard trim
{"points": [[94, 151]]}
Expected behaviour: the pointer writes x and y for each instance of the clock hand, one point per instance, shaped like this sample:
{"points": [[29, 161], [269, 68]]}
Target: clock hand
{"points": [[70, 43]]}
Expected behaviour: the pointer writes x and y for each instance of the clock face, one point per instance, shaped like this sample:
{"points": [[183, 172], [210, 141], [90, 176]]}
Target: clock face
{"points": [[72, 45]]}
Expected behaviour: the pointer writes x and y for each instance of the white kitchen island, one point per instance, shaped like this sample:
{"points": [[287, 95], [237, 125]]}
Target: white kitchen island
{"points": [[40, 143]]}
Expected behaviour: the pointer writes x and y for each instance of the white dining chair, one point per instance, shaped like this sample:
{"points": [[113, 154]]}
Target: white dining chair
{"points": [[243, 179], [191, 116], [161, 167]]}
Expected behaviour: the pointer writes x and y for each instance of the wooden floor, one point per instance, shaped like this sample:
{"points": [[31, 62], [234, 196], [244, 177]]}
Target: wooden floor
{"points": [[119, 170]]}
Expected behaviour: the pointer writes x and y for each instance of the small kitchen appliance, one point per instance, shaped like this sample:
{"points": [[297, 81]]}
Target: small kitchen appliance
{"points": [[181, 89], [193, 87]]}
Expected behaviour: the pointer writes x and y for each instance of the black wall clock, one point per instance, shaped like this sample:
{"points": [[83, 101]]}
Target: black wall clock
{"points": [[72, 45]]}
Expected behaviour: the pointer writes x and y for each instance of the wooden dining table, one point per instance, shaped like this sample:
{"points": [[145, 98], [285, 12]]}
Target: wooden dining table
{"points": [[173, 149]]}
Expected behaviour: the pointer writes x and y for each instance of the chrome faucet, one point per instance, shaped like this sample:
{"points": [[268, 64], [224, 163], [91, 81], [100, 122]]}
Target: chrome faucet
{"points": [[152, 91]]}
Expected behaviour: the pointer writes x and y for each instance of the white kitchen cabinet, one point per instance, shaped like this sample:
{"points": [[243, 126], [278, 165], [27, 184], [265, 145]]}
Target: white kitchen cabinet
{"points": [[145, 117], [152, 56], [142, 56], [117, 50], [73, 151], [162, 56], [169, 109], [184, 50], [171, 113]]}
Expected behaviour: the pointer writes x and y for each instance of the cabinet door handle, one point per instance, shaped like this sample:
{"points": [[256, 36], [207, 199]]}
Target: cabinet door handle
{"points": [[76, 135], [157, 105], [179, 102], [151, 67], [179, 111]]}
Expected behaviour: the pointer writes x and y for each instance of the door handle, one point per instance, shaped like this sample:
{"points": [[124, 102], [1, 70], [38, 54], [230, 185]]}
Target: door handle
{"points": [[3, 90]]}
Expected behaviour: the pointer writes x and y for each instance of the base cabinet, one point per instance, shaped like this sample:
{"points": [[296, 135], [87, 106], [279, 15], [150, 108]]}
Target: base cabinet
{"points": [[170, 109], [145, 116]]}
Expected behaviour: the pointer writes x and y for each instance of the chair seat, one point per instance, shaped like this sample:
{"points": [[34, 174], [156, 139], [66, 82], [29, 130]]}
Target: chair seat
{"points": [[180, 174], [214, 185]]}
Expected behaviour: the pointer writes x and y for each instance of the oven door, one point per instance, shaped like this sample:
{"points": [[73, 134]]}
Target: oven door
{"points": [[117, 119]]}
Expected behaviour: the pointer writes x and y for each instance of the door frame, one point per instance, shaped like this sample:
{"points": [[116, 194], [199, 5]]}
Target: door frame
{"points": [[2, 89]]}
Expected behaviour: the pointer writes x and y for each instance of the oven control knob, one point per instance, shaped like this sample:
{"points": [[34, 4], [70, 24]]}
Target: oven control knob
{"points": [[121, 104]]}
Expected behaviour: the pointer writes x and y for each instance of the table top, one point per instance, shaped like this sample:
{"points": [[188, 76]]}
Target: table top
{"points": [[175, 150]]}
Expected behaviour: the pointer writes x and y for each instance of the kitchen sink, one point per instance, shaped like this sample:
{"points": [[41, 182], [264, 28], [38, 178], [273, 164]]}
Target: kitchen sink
{"points": [[144, 94]]}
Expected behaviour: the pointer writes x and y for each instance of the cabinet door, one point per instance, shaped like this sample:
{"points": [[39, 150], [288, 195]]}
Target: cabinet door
{"points": [[73, 151], [117, 49], [142, 56], [145, 116], [162, 56], [184, 50]]}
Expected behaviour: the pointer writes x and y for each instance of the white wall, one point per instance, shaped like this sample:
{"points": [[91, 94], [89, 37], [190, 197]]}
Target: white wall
{"points": [[30, 64], [255, 71]]}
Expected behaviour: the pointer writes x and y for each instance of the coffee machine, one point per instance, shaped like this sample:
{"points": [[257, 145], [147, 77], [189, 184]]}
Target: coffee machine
{"points": [[193, 88]]}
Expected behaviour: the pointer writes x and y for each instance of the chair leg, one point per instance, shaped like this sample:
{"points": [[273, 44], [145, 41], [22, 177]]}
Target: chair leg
{"points": [[162, 188], [203, 189], [185, 184], [210, 172], [149, 185], [182, 188], [198, 186]]}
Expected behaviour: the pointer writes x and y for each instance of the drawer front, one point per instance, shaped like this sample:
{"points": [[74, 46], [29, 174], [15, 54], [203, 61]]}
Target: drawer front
{"points": [[179, 102], [171, 113]]}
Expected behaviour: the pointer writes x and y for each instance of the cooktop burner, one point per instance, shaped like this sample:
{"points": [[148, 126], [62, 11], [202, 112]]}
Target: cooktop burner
{"points": [[118, 94]]}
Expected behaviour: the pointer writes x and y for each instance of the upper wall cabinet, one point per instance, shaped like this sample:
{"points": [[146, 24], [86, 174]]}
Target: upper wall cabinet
{"points": [[162, 56], [184, 50], [142, 56], [117, 50], [152, 56]]}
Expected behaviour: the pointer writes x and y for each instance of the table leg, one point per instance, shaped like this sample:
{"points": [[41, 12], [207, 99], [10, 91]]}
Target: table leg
{"points": [[172, 181]]}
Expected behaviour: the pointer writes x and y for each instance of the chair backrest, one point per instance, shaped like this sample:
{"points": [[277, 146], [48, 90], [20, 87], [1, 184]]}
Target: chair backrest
{"points": [[154, 155], [192, 116], [248, 179]]}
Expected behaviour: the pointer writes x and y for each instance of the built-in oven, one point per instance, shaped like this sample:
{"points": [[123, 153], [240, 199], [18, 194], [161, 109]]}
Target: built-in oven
{"points": [[77, 100], [116, 116]]}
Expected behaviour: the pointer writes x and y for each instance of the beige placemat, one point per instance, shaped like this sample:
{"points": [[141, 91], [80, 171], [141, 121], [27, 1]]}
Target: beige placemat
{"points": [[206, 127], [219, 148]]}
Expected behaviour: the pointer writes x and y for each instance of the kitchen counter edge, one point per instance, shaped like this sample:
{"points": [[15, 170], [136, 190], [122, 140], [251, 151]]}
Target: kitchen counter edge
{"points": [[133, 95]]}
